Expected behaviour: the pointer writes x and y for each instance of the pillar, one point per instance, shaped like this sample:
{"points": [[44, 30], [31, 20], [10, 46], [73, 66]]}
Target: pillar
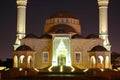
{"points": [[103, 23], [21, 21]]}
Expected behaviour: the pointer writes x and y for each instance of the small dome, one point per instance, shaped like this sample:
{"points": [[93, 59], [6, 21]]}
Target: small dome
{"points": [[62, 14], [92, 36], [24, 48], [98, 48], [61, 28], [30, 36], [46, 36], [77, 36]]}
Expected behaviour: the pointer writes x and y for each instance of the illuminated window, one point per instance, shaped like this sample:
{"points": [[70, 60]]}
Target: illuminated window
{"points": [[107, 62], [77, 55], [22, 58], [15, 61], [100, 63], [100, 59], [29, 59], [92, 62], [45, 56]]}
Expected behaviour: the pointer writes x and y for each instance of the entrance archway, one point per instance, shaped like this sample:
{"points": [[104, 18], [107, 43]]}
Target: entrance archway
{"points": [[92, 62], [107, 62], [61, 60], [100, 62], [61, 50], [15, 61], [29, 61]]}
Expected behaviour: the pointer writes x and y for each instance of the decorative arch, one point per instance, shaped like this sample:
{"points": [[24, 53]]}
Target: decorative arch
{"points": [[92, 62], [100, 59], [107, 61], [100, 62], [15, 61], [21, 58], [29, 61]]}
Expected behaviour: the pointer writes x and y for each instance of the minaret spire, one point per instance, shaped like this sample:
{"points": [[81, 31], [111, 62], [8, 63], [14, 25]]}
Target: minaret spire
{"points": [[103, 22], [21, 21]]}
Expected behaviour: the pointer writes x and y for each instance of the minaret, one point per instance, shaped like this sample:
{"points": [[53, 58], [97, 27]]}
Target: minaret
{"points": [[21, 21], [103, 22]]}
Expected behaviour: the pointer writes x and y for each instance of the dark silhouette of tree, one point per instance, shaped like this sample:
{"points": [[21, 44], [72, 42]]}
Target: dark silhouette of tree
{"points": [[7, 63]]}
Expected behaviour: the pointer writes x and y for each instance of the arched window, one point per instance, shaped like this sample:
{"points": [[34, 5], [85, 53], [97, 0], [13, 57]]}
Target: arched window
{"points": [[100, 63], [100, 59], [77, 56], [92, 62], [15, 61], [45, 56], [29, 61], [107, 62], [22, 58]]}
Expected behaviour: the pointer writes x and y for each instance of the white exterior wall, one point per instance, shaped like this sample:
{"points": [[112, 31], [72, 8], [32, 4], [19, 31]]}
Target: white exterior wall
{"points": [[83, 46], [77, 45], [40, 45]]}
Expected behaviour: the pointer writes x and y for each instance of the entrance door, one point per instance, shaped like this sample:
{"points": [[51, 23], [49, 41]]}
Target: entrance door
{"points": [[61, 60], [61, 50]]}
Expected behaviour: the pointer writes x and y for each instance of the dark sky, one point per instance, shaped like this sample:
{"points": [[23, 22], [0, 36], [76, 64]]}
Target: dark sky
{"points": [[39, 10]]}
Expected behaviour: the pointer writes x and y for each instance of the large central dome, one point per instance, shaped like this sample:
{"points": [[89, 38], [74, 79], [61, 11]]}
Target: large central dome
{"points": [[62, 22], [61, 29], [62, 14]]}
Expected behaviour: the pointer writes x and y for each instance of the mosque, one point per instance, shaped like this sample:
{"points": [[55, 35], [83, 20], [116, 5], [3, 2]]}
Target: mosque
{"points": [[62, 44]]}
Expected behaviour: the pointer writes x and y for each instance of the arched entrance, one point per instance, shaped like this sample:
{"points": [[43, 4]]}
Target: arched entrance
{"points": [[61, 50], [100, 62], [107, 62], [92, 62], [21, 59], [29, 61], [15, 61], [61, 60]]}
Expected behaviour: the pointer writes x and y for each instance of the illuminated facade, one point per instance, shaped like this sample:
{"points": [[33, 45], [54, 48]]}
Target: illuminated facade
{"points": [[62, 45]]}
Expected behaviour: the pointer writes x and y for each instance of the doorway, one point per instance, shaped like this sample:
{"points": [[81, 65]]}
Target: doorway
{"points": [[61, 60]]}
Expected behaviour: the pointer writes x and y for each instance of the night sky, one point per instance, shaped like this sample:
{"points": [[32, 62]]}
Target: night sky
{"points": [[39, 10]]}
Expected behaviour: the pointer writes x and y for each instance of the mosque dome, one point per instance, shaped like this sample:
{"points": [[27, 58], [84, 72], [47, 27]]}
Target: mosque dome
{"points": [[24, 48], [61, 28], [30, 36], [65, 23], [92, 36], [77, 36], [98, 48], [62, 14], [46, 36]]}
